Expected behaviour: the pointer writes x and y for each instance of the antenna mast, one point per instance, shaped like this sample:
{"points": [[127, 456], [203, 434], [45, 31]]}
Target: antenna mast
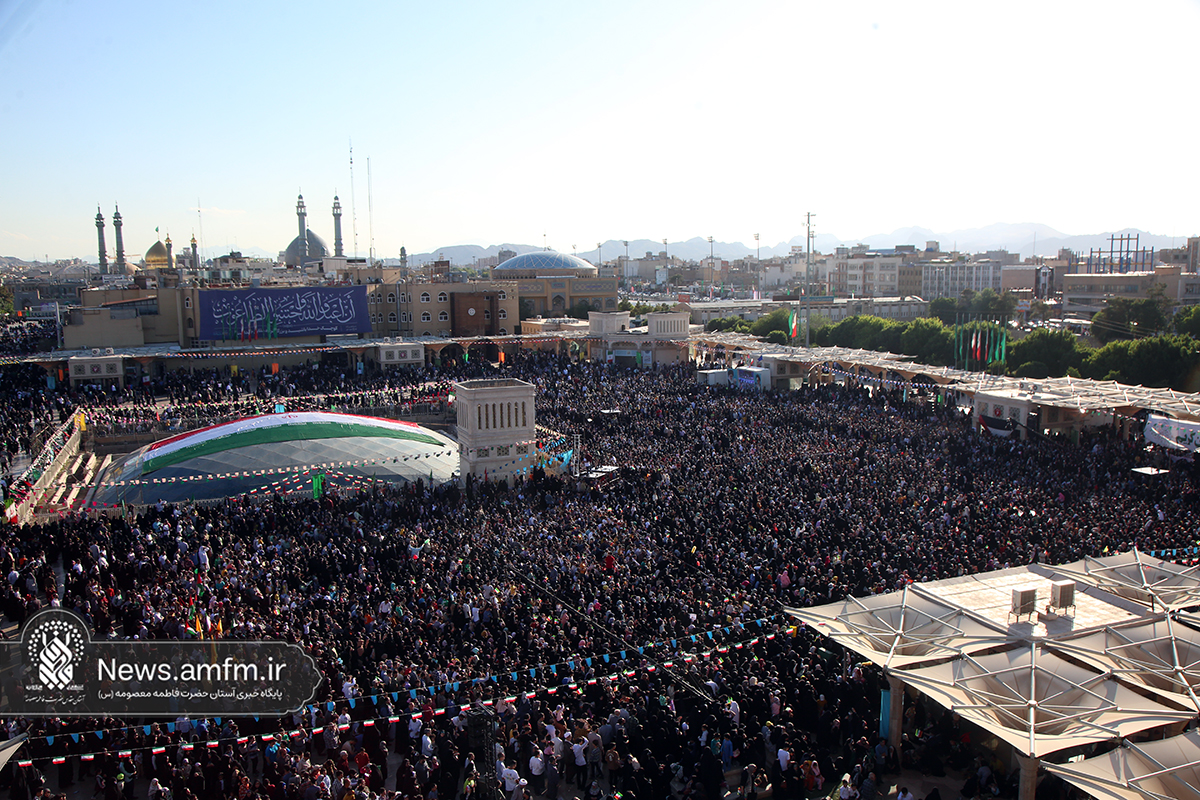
{"points": [[370, 216], [353, 214], [200, 220]]}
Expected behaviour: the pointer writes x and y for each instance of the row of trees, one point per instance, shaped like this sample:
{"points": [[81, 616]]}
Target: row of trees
{"points": [[1166, 360]]}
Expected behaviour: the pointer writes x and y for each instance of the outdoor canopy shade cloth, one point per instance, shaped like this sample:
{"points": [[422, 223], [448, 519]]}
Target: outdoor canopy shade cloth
{"points": [[902, 628], [1140, 577], [1039, 702], [1162, 654], [1168, 769]]}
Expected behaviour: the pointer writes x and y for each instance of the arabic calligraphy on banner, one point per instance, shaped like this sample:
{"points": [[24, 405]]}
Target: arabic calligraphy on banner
{"points": [[235, 314]]}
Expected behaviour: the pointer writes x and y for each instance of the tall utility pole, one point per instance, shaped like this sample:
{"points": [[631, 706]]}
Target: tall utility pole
{"points": [[808, 279], [711, 279], [599, 257]]}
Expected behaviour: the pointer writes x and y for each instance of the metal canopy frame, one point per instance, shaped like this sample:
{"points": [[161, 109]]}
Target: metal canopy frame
{"points": [[903, 628], [1137, 576], [1168, 769], [1162, 655], [1039, 702]]}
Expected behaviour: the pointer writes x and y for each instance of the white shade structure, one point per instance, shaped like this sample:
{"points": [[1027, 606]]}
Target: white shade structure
{"points": [[902, 628], [1168, 769], [1039, 702], [1163, 655], [1137, 576]]}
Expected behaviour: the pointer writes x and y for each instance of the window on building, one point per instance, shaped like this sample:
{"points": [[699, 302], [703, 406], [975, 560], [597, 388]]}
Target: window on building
{"points": [[504, 331], [503, 296], [425, 317], [443, 316], [424, 297], [191, 323], [391, 316], [187, 302], [391, 298], [502, 314], [443, 297], [487, 313]]}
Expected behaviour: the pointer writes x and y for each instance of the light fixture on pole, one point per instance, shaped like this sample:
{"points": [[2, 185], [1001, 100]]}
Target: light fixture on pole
{"points": [[808, 279]]}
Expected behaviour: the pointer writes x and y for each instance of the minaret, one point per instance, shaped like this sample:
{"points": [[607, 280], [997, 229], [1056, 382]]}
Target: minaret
{"points": [[337, 227], [195, 254], [100, 236], [302, 217], [170, 258], [119, 265]]}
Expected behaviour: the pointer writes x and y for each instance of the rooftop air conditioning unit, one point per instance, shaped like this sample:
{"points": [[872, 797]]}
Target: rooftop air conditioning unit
{"points": [[108, 351], [95, 351], [1062, 594], [1024, 601]]}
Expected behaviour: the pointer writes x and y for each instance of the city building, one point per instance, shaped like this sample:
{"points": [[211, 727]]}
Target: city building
{"points": [[549, 284], [951, 275], [1088, 293], [497, 428]]}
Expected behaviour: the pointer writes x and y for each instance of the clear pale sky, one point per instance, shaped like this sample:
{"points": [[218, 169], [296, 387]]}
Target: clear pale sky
{"points": [[500, 122]]}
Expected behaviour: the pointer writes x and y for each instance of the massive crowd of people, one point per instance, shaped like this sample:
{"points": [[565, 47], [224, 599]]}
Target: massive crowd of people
{"points": [[630, 639]]}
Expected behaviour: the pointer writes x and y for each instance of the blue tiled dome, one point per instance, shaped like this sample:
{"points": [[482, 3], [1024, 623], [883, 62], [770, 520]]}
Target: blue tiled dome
{"points": [[545, 262]]}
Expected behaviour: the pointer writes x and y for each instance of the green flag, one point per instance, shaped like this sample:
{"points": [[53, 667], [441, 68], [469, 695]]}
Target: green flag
{"points": [[1004, 347]]}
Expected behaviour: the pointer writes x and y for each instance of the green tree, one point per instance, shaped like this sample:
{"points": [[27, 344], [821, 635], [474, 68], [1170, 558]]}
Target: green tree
{"points": [[1032, 369], [945, 309], [1056, 350], [1188, 321], [1125, 319], [777, 320], [929, 341], [776, 337], [735, 324], [984, 302], [624, 305], [581, 310], [1170, 361]]}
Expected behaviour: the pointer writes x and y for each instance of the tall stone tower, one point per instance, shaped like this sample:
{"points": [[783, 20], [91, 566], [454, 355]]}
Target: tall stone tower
{"points": [[195, 254], [337, 227], [170, 254], [302, 220], [100, 237], [496, 427], [119, 264]]}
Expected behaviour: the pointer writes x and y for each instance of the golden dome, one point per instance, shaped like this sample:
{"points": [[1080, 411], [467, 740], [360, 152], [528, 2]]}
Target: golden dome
{"points": [[157, 256]]}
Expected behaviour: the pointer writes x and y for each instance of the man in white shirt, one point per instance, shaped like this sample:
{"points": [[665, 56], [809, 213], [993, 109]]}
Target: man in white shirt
{"points": [[537, 771], [512, 780]]}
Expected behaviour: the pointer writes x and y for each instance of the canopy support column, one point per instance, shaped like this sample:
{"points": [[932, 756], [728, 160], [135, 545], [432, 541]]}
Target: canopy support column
{"points": [[896, 712], [1029, 772]]}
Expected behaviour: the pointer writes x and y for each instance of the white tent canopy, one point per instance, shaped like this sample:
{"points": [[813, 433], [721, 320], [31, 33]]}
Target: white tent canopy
{"points": [[1137, 576], [1162, 654], [1039, 702], [1168, 769], [902, 628]]}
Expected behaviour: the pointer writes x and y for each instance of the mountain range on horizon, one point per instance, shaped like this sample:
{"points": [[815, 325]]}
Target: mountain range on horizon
{"points": [[1019, 238]]}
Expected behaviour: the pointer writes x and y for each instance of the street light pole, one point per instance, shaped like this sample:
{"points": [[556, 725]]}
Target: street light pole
{"points": [[808, 281]]}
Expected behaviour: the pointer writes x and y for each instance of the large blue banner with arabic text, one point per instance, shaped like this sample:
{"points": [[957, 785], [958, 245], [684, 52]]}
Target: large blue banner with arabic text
{"points": [[250, 314]]}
